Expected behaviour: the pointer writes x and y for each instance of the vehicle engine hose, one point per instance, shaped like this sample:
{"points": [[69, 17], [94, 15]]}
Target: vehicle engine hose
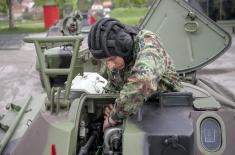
{"points": [[84, 150], [220, 98]]}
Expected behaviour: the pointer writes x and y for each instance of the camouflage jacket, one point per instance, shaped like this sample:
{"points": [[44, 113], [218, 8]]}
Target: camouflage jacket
{"points": [[151, 71]]}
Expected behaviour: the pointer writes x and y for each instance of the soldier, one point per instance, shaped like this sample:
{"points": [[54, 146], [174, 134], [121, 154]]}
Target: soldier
{"points": [[137, 66]]}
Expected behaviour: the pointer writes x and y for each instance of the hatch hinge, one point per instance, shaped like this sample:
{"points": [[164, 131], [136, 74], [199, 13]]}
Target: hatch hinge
{"points": [[189, 77]]}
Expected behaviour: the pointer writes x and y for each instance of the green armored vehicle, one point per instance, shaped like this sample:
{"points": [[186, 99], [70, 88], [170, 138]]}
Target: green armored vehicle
{"points": [[67, 120], [71, 25]]}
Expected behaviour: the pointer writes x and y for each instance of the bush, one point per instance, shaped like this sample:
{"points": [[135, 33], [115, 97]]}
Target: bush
{"points": [[130, 3], [34, 14]]}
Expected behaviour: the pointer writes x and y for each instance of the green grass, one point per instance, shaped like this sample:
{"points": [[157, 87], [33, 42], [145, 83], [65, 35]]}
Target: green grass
{"points": [[23, 26], [130, 16]]}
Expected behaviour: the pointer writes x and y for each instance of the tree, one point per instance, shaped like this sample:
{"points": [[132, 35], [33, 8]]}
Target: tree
{"points": [[11, 17], [3, 6], [6, 7]]}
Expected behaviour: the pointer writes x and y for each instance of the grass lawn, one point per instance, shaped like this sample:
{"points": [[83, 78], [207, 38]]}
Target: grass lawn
{"points": [[23, 26], [130, 16]]}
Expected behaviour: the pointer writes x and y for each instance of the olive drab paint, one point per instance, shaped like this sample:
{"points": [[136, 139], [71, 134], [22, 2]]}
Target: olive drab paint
{"points": [[172, 123]]}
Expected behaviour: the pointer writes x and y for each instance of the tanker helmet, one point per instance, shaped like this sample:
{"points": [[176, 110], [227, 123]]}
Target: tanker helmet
{"points": [[108, 37]]}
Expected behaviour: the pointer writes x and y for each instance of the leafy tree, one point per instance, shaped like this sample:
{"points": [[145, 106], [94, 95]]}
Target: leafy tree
{"points": [[3, 6], [6, 7]]}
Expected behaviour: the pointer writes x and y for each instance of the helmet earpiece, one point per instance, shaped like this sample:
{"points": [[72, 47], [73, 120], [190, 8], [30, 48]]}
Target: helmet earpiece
{"points": [[124, 43], [108, 37]]}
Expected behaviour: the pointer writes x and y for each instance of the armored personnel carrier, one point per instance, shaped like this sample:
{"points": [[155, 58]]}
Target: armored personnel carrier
{"points": [[67, 120], [71, 25]]}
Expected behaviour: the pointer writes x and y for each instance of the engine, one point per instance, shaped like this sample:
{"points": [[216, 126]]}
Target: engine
{"points": [[92, 140], [113, 141], [167, 124]]}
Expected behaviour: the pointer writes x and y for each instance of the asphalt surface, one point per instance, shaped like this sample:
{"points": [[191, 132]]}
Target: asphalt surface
{"points": [[18, 75], [11, 41], [220, 74], [19, 78]]}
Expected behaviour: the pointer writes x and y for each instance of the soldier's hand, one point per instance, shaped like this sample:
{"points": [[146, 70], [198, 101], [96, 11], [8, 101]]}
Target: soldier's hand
{"points": [[107, 111], [108, 122]]}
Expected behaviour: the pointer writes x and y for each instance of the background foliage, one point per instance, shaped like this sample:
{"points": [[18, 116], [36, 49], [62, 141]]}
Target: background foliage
{"points": [[130, 16], [3, 6], [85, 4], [131, 3], [59, 2]]}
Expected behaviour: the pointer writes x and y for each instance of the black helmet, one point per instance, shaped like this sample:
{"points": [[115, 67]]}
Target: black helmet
{"points": [[108, 37]]}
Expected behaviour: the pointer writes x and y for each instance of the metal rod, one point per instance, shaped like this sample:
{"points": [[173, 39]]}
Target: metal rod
{"points": [[46, 72], [41, 60], [220, 8], [52, 39], [72, 68], [13, 126], [57, 71]]}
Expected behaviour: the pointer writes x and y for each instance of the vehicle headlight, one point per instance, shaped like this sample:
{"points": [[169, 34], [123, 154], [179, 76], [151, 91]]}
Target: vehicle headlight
{"points": [[211, 136]]}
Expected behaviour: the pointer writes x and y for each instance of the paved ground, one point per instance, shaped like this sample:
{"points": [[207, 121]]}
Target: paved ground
{"points": [[221, 73], [11, 41], [19, 79]]}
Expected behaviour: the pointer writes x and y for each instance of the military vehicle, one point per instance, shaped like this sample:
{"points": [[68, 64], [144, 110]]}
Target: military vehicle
{"points": [[71, 25], [67, 120]]}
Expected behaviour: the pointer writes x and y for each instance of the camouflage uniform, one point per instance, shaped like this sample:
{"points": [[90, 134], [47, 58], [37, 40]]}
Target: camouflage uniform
{"points": [[152, 71]]}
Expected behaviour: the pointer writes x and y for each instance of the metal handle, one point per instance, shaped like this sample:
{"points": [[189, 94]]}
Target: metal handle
{"points": [[191, 26]]}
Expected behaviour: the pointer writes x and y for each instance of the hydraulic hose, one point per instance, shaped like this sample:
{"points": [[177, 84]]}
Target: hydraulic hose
{"points": [[220, 98], [84, 150]]}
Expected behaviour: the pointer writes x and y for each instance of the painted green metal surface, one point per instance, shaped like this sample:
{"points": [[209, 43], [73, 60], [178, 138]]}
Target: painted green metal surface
{"points": [[133, 136], [19, 122], [60, 133], [13, 126], [46, 130], [203, 100], [187, 34]]}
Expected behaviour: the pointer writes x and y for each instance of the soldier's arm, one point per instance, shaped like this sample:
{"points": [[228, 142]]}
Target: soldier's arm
{"points": [[142, 83]]}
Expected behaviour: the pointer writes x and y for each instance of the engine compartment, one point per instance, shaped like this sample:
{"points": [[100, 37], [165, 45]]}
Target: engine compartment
{"points": [[152, 126], [91, 138], [169, 124]]}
